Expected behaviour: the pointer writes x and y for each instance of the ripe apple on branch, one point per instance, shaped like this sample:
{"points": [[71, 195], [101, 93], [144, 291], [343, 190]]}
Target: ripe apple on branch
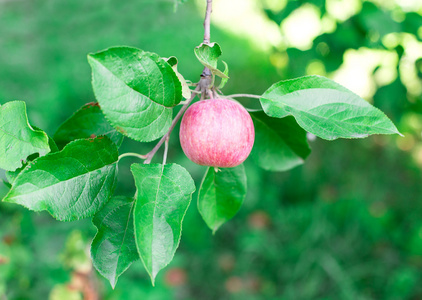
{"points": [[217, 133]]}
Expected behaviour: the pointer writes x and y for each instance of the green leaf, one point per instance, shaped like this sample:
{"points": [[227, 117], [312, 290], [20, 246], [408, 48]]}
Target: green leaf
{"points": [[144, 72], [7, 184], [135, 90], [12, 175], [325, 108], [52, 144], [280, 144], [71, 184], [172, 61], [208, 55], [87, 122], [18, 139], [186, 92], [221, 195], [226, 72], [113, 249], [162, 199]]}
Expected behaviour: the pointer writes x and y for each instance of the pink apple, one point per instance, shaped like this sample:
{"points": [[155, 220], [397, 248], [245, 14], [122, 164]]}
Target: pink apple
{"points": [[217, 133]]}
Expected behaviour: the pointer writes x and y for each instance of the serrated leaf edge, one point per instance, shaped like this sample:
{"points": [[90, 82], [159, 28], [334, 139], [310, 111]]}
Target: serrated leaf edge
{"points": [[21, 163], [116, 276], [59, 219], [181, 222], [151, 55]]}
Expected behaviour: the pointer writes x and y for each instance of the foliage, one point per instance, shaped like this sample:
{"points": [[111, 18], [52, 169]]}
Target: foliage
{"points": [[134, 89], [221, 195], [334, 111], [163, 196], [365, 228], [18, 140], [113, 249]]}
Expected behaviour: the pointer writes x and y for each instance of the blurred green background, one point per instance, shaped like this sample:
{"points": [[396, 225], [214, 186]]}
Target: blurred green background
{"points": [[346, 225]]}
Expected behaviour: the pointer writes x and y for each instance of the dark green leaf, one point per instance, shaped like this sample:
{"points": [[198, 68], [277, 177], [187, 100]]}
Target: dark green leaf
{"points": [[172, 61], [162, 198], [18, 139], [114, 249], [221, 195], [71, 184], [135, 90], [8, 185], [208, 55], [52, 144], [87, 122], [280, 144], [325, 108], [143, 72]]}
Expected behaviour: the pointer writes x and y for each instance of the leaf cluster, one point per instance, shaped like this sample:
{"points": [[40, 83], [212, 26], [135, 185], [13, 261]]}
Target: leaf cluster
{"points": [[136, 93]]}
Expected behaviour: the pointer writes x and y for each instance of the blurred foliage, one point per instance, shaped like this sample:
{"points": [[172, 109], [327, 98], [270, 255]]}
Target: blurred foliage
{"points": [[346, 225]]}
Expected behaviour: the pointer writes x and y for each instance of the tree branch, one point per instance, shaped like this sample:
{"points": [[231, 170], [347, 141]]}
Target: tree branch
{"points": [[207, 32], [151, 154], [207, 22]]}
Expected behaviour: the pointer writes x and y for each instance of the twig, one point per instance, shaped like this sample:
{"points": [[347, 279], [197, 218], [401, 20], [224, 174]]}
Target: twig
{"points": [[151, 154], [244, 96], [207, 22], [207, 32]]}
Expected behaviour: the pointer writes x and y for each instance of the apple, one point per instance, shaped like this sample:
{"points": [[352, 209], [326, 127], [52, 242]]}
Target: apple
{"points": [[217, 133]]}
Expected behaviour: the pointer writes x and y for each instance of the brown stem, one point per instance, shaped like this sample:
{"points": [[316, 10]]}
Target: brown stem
{"points": [[207, 22]]}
